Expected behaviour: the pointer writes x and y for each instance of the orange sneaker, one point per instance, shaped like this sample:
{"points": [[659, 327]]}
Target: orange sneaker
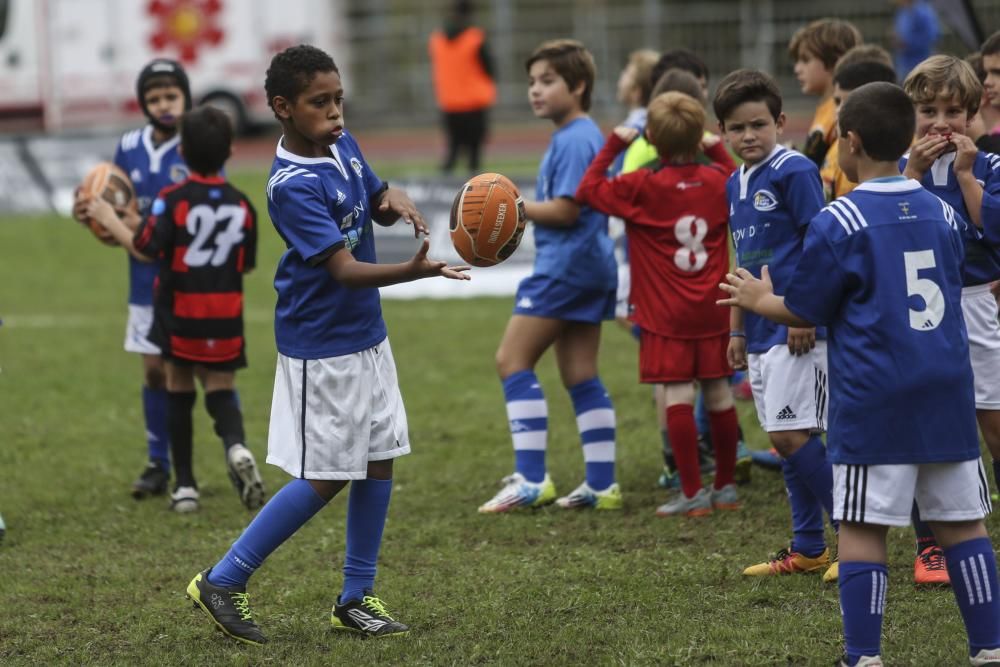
{"points": [[789, 562], [929, 568]]}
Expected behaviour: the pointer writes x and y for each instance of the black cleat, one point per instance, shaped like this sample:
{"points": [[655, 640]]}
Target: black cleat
{"points": [[366, 616], [228, 607], [152, 482]]}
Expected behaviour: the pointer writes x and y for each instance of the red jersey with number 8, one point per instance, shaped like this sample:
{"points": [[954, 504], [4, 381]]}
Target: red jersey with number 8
{"points": [[676, 222], [203, 231]]}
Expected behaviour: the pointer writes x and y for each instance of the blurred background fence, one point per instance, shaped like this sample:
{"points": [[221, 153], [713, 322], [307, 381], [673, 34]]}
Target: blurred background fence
{"points": [[389, 76]]}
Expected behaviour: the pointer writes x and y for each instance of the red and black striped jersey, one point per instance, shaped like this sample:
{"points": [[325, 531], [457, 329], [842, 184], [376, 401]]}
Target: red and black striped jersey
{"points": [[203, 231]]}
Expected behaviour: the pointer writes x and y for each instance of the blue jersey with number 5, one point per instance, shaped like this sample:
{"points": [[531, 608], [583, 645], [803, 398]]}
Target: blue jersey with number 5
{"points": [[882, 268]]}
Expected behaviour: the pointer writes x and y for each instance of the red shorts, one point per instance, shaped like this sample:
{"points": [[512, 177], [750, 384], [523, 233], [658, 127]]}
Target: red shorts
{"points": [[663, 359]]}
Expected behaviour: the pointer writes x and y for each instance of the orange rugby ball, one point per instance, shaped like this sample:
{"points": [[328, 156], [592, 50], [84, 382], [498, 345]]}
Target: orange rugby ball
{"points": [[107, 181], [487, 219]]}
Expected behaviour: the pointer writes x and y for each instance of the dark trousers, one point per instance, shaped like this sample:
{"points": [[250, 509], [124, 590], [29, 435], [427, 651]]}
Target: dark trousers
{"points": [[465, 130]]}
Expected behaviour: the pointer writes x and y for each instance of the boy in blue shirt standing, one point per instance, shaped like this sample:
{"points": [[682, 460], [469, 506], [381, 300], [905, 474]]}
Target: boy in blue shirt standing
{"points": [[946, 93], [772, 197], [564, 301], [882, 268], [337, 414], [151, 158]]}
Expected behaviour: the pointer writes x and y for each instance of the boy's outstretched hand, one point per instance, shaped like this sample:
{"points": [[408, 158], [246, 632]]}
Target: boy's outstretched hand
{"points": [[744, 290], [397, 204], [426, 268]]}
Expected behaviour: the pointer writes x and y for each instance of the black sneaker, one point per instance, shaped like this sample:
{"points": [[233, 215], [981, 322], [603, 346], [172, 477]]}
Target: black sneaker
{"points": [[367, 616], [152, 482], [228, 607]]}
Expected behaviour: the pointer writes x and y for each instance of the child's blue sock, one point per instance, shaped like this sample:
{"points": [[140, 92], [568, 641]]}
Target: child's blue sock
{"points": [[529, 423], [972, 567], [289, 509], [807, 514], [154, 409], [366, 512], [816, 473], [595, 418], [862, 603]]}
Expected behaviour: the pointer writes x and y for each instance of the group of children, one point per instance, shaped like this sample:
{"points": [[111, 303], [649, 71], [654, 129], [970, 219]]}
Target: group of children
{"points": [[890, 278], [887, 259]]}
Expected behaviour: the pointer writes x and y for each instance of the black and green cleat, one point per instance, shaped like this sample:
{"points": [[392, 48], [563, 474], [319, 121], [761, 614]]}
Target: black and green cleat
{"points": [[229, 609], [367, 616]]}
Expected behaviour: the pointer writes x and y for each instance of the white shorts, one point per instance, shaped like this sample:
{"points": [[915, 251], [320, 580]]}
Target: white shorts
{"points": [[624, 289], [980, 311], [140, 321], [330, 417], [883, 495], [790, 393]]}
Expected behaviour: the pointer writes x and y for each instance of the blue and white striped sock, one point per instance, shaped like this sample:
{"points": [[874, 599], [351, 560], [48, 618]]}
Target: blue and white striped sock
{"points": [[862, 603], [972, 567], [595, 417], [528, 417]]}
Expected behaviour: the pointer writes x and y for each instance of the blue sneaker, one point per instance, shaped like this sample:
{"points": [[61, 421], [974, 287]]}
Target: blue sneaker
{"points": [[669, 479], [518, 492], [766, 459]]}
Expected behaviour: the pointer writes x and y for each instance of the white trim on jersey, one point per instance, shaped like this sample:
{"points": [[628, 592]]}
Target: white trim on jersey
{"points": [[788, 155], [847, 214], [298, 159], [283, 175], [130, 140], [746, 173], [156, 153], [939, 170], [895, 185]]}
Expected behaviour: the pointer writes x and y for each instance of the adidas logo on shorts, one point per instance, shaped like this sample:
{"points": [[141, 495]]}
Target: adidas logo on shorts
{"points": [[786, 413]]}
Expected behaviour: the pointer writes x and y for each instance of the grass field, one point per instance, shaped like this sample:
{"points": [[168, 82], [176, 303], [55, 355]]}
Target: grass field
{"points": [[90, 577]]}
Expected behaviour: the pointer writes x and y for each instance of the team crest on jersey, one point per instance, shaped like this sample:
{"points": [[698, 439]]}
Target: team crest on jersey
{"points": [[178, 172], [904, 209], [356, 166], [764, 200], [135, 176]]}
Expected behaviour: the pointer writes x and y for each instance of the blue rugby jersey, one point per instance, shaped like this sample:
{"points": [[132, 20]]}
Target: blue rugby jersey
{"points": [[150, 168], [770, 206], [882, 268], [583, 253], [318, 205], [982, 262]]}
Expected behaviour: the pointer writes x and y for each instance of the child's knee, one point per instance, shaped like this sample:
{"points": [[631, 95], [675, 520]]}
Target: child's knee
{"points": [[155, 377], [718, 394], [788, 442], [380, 469]]}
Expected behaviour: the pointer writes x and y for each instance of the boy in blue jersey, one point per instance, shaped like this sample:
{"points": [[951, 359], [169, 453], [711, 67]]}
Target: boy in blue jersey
{"points": [[772, 197], [882, 268], [150, 158], [946, 94], [564, 301], [337, 414]]}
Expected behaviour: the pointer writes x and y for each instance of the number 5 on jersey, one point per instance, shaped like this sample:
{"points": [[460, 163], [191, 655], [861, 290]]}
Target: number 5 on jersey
{"points": [[930, 316]]}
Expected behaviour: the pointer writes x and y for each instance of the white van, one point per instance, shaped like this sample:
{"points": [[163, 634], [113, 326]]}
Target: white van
{"points": [[72, 64]]}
